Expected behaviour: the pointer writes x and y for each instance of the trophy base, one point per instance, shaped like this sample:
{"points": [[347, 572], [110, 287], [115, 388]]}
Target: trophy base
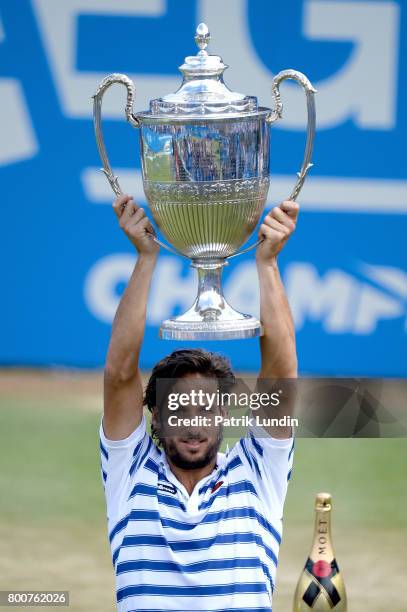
{"points": [[175, 329], [210, 317]]}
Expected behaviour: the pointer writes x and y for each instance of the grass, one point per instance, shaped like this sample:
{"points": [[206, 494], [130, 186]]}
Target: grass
{"points": [[52, 513]]}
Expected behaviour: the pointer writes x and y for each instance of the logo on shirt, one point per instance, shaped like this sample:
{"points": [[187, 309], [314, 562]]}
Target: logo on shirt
{"points": [[167, 487], [217, 486]]}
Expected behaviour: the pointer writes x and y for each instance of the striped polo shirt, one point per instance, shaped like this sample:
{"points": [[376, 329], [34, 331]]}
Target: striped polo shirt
{"points": [[213, 550]]}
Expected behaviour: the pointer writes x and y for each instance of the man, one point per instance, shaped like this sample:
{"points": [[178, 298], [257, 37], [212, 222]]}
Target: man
{"points": [[189, 527]]}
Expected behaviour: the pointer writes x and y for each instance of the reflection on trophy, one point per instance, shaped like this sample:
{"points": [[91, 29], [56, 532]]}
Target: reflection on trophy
{"points": [[205, 166]]}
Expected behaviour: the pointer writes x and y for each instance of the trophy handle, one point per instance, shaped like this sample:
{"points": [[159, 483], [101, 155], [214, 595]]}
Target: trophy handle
{"points": [[112, 79], [277, 113], [97, 119]]}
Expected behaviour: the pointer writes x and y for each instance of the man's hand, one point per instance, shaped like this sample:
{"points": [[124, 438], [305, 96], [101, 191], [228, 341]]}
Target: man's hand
{"points": [[135, 224], [276, 229]]}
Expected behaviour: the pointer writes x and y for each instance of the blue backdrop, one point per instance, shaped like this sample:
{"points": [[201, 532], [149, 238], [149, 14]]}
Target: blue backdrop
{"points": [[65, 262]]}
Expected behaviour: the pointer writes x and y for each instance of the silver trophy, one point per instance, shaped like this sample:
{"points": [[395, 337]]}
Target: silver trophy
{"points": [[205, 166]]}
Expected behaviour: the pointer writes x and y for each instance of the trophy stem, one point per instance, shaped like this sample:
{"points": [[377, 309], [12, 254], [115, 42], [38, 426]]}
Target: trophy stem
{"points": [[210, 301], [210, 317]]}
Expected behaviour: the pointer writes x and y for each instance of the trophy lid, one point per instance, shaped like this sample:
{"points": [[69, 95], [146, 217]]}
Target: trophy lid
{"points": [[203, 92]]}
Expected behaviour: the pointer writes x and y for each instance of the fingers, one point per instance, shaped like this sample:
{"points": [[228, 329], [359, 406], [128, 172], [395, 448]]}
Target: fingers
{"points": [[135, 224], [283, 218], [121, 203], [137, 228], [273, 228], [265, 231], [130, 211], [276, 229], [291, 208], [127, 213], [285, 215], [146, 225], [132, 219], [139, 222], [279, 221]]}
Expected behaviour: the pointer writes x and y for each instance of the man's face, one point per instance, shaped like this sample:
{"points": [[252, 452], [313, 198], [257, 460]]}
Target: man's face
{"points": [[191, 446]]}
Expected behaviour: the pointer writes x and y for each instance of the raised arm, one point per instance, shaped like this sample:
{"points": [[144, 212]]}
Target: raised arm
{"points": [[123, 391], [277, 345]]}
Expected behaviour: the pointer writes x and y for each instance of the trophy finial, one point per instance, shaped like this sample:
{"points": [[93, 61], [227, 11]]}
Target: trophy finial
{"points": [[202, 36]]}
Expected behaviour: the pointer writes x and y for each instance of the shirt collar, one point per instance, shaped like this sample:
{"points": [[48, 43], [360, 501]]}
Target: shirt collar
{"points": [[220, 460]]}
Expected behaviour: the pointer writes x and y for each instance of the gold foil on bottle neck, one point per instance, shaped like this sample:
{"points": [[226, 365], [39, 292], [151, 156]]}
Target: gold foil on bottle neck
{"points": [[323, 502]]}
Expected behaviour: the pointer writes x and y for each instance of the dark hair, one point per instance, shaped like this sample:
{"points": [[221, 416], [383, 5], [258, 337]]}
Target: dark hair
{"points": [[188, 361]]}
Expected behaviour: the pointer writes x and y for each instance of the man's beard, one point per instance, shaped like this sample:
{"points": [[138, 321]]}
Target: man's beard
{"points": [[177, 458]]}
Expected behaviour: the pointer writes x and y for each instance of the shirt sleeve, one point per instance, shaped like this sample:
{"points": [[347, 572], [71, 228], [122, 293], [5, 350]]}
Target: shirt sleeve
{"points": [[269, 461], [120, 460]]}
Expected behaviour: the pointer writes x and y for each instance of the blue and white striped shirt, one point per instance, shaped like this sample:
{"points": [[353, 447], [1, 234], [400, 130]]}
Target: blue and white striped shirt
{"points": [[213, 550]]}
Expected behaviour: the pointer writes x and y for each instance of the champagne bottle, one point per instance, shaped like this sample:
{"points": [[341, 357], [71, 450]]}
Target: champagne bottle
{"points": [[320, 587]]}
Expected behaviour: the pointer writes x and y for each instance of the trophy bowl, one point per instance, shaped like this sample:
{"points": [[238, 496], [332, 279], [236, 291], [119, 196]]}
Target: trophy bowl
{"points": [[206, 209], [205, 167]]}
